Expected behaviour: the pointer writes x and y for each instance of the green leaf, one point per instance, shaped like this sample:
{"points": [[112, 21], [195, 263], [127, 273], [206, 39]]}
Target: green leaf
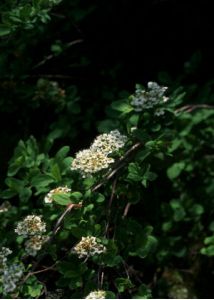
{"points": [[175, 170], [25, 194], [179, 212], [4, 30], [135, 172], [110, 295], [209, 240], [89, 182], [142, 155], [73, 268], [62, 153], [34, 291], [100, 198], [41, 180], [62, 199], [14, 184], [143, 293], [123, 284], [209, 251], [55, 171], [107, 125], [122, 106], [197, 209], [33, 288], [76, 196], [144, 243], [7, 194], [67, 162], [88, 208]]}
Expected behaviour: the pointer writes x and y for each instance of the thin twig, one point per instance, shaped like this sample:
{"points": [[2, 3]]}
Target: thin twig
{"points": [[50, 56], [38, 272], [191, 107], [120, 164], [66, 211], [126, 210], [102, 280], [126, 269], [109, 206], [51, 76]]}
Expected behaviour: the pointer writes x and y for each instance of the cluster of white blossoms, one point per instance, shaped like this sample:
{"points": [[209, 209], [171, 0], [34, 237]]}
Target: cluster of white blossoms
{"points": [[57, 294], [3, 257], [10, 274], [96, 158], [109, 142], [88, 246], [99, 294], [32, 227], [152, 98], [57, 191], [34, 244], [88, 162]]}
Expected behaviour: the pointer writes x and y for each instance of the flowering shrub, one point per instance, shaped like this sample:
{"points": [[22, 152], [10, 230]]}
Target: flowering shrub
{"points": [[89, 229], [126, 209]]}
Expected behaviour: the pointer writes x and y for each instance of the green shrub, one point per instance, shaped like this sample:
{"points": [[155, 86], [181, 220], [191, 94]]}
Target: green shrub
{"points": [[98, 220]]}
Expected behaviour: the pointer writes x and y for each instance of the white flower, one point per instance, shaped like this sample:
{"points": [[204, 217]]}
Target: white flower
{"points": [[3, 257], [109, 142], [88, 246], [88, 162], [31, 225], [57, 191], [34, 244], [10, 277], [10, 274], [159, 112], [57, 294], [99, 294], [154, 96], [5, 252]]}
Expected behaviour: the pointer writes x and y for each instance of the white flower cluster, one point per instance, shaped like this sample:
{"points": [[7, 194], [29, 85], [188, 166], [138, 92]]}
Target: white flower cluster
{"points": [[34, 244], [153, 97], [3, 257], [88, 246], [88, 162], [32, 227], [10, 274], [109, 142], [96, 295], [11, 277], [57, 294], [59, 190], [95, 159]]}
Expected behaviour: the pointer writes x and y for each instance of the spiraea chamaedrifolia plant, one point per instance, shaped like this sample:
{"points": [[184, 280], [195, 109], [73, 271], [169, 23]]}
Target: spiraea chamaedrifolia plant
{"points": [[95, 224]]}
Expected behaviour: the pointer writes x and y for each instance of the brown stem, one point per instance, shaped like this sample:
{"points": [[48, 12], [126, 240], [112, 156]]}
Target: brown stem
{"points": [[120, 164], [126, 210], [66, 211], [49, 57], [109, 206], [37, 272], [191, 107]]}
